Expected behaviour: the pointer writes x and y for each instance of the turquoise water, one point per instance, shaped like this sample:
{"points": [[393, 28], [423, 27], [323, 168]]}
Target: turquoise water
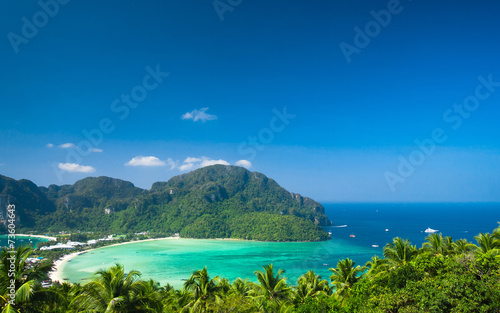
{"points": [[21, 240], [170, 261]]}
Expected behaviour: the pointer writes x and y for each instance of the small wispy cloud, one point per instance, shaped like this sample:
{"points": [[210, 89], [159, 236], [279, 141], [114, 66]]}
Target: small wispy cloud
{"points": [[68, 145], [213, 162], [145, 161], [244, 163], [199, 115], [76, 168], [188, 165], [49, 145], [192, 160], [191, 163], [171, 163]]}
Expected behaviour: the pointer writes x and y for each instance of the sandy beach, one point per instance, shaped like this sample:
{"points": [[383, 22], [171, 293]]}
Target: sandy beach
{"points": [[37, 236], [56, 274]]}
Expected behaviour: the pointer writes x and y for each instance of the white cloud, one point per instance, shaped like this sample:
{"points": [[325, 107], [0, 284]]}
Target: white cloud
{"points": [[186, 167], [244, 163], [192, 160], [171, 163], [213, 162], [76, 168], [49, 145], [199, 115], [191, 163], [145, 161], [96, 150], [67, 145]]}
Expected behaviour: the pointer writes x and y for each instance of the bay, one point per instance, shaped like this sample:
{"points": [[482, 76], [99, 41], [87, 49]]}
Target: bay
{"points": [[357, 228]]}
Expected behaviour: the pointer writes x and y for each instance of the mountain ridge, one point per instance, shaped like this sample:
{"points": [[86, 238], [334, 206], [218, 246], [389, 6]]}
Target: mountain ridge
{"points": [[217, 201]]}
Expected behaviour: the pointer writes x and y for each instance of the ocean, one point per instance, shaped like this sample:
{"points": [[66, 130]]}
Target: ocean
{"points": [[368, 222], [172, 261]]}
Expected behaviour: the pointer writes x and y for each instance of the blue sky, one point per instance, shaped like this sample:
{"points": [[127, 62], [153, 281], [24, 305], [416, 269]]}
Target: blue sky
{"points": [[262, 83]]}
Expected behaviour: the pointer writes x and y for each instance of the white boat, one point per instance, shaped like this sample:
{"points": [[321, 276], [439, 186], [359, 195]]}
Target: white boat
{"points": [[387, 229], [430, 230], [375, 246]]}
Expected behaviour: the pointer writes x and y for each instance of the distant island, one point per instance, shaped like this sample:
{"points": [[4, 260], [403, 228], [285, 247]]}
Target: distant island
{"points": [[218, 201]]}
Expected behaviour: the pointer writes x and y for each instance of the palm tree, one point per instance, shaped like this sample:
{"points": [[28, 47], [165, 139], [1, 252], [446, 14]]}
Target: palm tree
{"points": [[57, 299], [240, 287], [203, 290], [462, 246], [448, 244], [437, 244], [399, 251], [115, 291], [376, 267], [271, 287], [235, 298], [153, 293], [176, 300], [14, 266], [496, 232], [345, 275], [310, 285], [224, 286], [488, 243]]}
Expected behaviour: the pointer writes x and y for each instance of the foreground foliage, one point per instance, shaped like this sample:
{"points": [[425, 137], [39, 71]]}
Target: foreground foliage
{"points": [[442, 276]]}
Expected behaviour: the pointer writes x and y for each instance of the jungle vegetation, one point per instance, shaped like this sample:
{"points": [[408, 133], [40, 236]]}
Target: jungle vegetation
{"points": [[444, 275]]}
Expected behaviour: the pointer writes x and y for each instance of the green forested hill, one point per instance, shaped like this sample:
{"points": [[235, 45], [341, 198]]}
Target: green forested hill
{"points": [[25, 194], [211, 202]]}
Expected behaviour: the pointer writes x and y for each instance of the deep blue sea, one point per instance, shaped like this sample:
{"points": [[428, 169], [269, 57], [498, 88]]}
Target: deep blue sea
{"points": [[368, 222]]}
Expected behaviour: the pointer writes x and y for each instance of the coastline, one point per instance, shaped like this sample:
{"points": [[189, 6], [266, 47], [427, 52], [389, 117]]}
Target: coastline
{"points": [[57, 273], [37, 236]]}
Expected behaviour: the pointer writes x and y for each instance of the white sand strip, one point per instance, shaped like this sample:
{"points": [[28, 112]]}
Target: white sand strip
{"points": [[56, 274], [37, 236]]}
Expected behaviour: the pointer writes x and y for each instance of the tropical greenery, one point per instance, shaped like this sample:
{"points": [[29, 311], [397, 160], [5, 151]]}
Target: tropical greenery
{"points": [[442, 276], [212, 202]]}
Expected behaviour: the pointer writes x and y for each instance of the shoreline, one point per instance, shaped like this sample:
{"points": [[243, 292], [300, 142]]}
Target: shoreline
{"points": [[36, 236], [57, 273]]}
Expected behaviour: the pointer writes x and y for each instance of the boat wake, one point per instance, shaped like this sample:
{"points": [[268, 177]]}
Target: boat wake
{"points": [[340, 226]]}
